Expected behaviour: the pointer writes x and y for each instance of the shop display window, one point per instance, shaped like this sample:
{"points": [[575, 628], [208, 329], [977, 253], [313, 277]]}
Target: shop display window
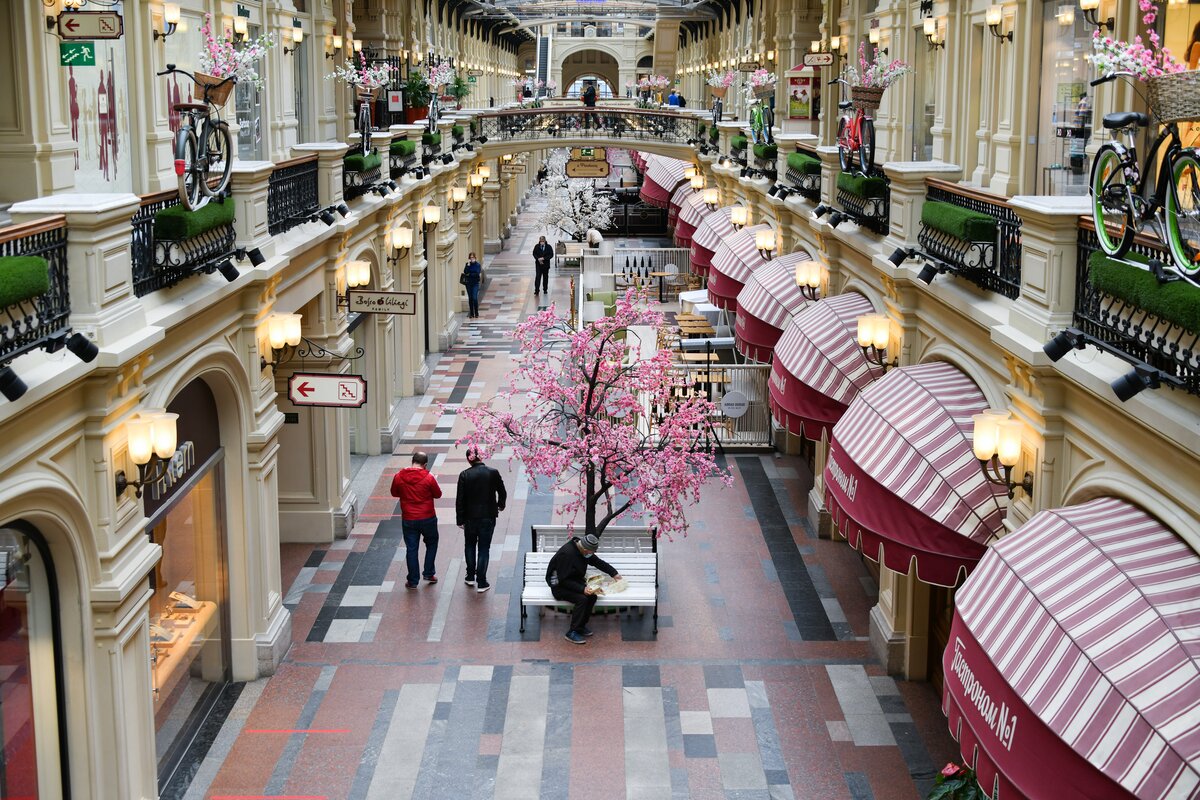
{"points": [[1065, 108]]}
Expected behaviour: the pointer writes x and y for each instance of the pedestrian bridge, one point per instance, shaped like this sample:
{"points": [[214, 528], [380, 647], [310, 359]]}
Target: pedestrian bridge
{"points": [[667, 133]]}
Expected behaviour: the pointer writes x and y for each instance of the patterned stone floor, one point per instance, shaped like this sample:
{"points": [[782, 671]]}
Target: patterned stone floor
{"points": [[760, 683]]}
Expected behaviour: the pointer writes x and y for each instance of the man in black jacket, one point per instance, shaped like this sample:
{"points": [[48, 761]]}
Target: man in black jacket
{"points": [[566, 576], [542, 254], [481, 498]]}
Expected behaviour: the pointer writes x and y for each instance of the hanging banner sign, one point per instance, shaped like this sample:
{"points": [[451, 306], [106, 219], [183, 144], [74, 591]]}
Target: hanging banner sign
{"points": [[818, 59], [324, 389], [382, 302], [587, 169], [90, 25]]}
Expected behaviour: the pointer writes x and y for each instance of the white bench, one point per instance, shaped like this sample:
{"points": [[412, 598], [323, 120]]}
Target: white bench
{"points": [[616, 539], [639, 569]]}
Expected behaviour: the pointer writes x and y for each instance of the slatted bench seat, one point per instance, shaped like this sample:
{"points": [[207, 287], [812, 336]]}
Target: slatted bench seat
{"points": [[639, 569], [616, 539]]}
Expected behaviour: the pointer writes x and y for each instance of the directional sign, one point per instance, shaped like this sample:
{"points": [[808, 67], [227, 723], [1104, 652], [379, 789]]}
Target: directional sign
{"points": [[747, 66], [76, 54], [90, 25], [588, 153], [474, 73], [818, 59], [383, 302], [512, 169], [472, 79], [323, 389], [587, 169]]}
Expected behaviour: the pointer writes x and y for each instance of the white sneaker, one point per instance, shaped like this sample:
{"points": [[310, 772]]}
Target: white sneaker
{"points": [[483, 587]]}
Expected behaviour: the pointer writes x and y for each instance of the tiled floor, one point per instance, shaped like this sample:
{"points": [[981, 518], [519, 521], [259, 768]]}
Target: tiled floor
{"points": [[760, 683]]}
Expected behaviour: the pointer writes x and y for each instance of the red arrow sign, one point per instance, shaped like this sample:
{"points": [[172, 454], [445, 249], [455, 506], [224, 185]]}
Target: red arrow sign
{"points": [[305, 389], [71, 25], [325, 389]]}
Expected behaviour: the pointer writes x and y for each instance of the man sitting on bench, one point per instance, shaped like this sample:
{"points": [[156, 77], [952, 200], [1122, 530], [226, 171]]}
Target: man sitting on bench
{"points": [[566, 576]]}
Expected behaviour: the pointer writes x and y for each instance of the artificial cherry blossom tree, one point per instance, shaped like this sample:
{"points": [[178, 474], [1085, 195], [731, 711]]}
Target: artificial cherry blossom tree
{"points": [[604, 426], [573, 205]]}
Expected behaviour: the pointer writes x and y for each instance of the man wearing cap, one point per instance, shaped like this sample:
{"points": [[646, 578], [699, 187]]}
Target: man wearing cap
{"points": [[566, 576]]}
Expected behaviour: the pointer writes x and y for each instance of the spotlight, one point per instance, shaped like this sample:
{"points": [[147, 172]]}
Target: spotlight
{"points": [[784, 193], [1060, 345], [469, 147], [83, 348], [836, 218], [821, 210], [391, 185], [898, 256], [257, 258], [774, 190], [228, 271], [11, 386], [482, 140], [447, 158], [927, 273], [326, 216], [343, 209], [1133, 382]]}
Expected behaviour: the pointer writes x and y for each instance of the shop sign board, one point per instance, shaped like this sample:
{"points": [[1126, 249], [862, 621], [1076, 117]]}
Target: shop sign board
{"points": [[325, 389], [587, 169], [382, 302], [588, 153], [734, 404], [818, 59], [90, 25], [395, 98], [76, 54], [512, 169], [747, 66], [474, 73]]}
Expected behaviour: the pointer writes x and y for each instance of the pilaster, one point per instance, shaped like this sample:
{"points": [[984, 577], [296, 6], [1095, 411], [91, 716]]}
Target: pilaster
{"points": [[329, 169]]}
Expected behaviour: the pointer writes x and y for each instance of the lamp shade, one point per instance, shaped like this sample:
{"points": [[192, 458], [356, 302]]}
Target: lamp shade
{"points": [[765, 240], [485, 171], [402, 238], [1008, 442], [1089, 5], [358, 273], [476, 180], [929, 26], [808, 273], [697, 181], [140, 433], [163, 430], [297, 34], [689, 173], [433, 215], [241, 26], [986, 433], [458, 194], [171, 13], [337, 41], [739, 216], [291, 329], [994, 15], [712, 196]]}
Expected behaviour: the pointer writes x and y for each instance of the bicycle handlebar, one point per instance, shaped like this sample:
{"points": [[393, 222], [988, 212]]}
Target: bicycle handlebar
{"points": [[1110, 77], [171, 68], [837, 80]]}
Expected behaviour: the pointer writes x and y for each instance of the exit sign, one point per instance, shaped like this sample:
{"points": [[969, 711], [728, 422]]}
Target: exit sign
{"points": [[77, 54]]}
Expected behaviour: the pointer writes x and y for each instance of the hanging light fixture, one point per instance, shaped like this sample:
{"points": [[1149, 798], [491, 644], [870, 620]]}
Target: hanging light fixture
{"points": [[401, 240]]}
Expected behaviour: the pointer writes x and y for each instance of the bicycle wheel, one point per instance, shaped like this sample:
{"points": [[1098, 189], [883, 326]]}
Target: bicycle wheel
{"points": [[846, 144], [1183, 214], [866, 145], [364, 126], [218, 158], [1111, 210], [187, 167]]}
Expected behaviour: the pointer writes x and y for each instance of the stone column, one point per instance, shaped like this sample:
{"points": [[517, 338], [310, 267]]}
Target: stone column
{"points": [[329, 169], [444, 289], [492, 228]]}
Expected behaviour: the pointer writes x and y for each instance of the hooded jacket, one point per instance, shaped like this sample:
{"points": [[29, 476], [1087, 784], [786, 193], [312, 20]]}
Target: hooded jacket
{"points": [[417, 489]]}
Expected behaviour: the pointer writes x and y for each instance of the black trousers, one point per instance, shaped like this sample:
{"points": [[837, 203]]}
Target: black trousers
{"points": [[542, 274], [584, 603]]}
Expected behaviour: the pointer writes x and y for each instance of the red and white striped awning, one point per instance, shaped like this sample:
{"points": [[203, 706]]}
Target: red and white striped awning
{"points": [[767, 304], [691, 213], [663, 174], [733, 262], [682, 192], [1073, 668], [712, 230], [638, 159], [902, 482], [818, 368]]}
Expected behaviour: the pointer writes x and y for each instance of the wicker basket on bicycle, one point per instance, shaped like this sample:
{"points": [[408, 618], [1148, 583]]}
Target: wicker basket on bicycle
{"points": [[369, 93], [1175, 97], [866, 98], [718, 91], [763, 92], [217, 95]]}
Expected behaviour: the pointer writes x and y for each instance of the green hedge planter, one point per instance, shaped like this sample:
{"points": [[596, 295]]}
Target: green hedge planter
{"points": [[403, 147], [431, 138], [766, 152], [1177, 302], [714, 134], [804, 163], [23, 278], [703, 128], [177, 223], [456, 131], [361, 163], [861, 185], [738, 142], [959, 222]]}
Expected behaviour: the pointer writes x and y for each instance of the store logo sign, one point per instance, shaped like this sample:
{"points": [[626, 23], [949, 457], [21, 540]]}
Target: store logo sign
{"points": [[779, 382], [847, 482], [177, 469], [1000, 720]]}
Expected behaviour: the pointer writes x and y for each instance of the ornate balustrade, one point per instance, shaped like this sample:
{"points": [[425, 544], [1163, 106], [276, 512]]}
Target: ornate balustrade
{"points": [[806, 183], [871, 213], [992, 265], [292, 195], [550, 123], [41, 321], [160, 264]]}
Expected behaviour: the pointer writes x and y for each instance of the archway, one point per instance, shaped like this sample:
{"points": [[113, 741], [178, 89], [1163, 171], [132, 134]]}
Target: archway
{"points": [[592, 62], [604, 89]]}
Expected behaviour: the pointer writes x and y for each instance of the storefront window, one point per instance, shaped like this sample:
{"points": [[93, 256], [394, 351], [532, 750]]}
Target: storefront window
{"points": [[300, 86], [924, 95], [249, 116], [1065, 109]]}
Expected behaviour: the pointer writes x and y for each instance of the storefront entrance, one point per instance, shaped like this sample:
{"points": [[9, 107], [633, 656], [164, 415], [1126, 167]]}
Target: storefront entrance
{"points": [[941, 615]]}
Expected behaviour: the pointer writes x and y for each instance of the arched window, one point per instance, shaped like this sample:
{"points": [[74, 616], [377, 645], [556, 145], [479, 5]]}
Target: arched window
{"points": [[603, 89]]}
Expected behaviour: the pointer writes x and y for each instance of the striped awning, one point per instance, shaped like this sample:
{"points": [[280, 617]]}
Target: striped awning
{"points": [[712, 230], [733, 262], [902, 482], [691, 213], [767, 304], [663, 174], [818, 368], [682, 192], [1073, 667]]}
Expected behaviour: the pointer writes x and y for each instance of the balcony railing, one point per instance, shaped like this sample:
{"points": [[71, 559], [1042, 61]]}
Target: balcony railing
{"points": [[994, 266], [41, 321], [808, 184], [550, 123], [1132, 333], [356, 184], [872, 213], [292, 195], [160, 264]]}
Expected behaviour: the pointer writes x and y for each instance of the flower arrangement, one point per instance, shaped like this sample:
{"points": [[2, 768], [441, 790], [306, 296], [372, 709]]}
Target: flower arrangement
{"points": [[956, 782], [1112, 55], [219, 58], [650, 83], [722, 80], [876, 73], [362, 75], [760, 84], [439, 74]]}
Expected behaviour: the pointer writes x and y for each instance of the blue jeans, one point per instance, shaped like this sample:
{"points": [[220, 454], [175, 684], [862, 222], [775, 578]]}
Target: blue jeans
{"points": [[473, 299], [414, 531], [477, 534]]}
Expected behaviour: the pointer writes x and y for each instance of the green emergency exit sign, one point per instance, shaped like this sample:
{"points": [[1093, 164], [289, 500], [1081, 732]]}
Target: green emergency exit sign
{"points": [[77, 54]]}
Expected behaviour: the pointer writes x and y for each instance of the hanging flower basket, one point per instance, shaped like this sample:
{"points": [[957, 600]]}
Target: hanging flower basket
{"points": [[763, 92], [220, 94], [866, 98], [367, 92], [718, 91], [1175, 97]]}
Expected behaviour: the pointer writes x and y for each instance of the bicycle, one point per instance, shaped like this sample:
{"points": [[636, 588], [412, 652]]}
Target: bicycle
{"points": [[362, 122], [203, 162], [856, 134], [1124, 199], [717, 110]]}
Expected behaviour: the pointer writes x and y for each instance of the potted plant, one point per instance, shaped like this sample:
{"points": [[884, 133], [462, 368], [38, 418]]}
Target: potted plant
{"points": [[416, 97], [219, 60], [869, 79], [719, 82], [956, 782], [459, 88], [439, 77]]}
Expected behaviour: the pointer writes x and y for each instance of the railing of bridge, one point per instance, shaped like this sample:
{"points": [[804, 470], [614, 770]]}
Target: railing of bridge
{"points": [[549, 123]]}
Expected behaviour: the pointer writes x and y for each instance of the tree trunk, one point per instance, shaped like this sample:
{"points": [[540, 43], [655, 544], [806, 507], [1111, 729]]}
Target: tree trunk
{"points": [[589, 524]]}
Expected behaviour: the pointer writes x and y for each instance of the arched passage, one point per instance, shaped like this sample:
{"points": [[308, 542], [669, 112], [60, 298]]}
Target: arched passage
{"points": [[590, 62]]}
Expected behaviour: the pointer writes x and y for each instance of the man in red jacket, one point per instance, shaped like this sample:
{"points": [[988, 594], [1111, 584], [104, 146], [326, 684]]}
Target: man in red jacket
{"points": [[417, 489]]}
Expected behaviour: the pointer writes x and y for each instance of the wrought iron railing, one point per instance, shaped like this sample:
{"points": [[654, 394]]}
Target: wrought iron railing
{"points": [[399, 164], [36, 322], [292, 195], [160, 264], [871, 213], [357, 183], [994, 266], [1128, 331], [626, 124], [807, 185], [429, 152]]}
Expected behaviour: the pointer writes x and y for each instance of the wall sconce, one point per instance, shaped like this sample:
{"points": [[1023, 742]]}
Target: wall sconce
{"points": [[808, 278], [401, 241], [993, 18], [815, 46], [53, 8], [432, 216], [283, 334], [458, 196], [996, 441], [1091, 13], [930, 30], [170, 19], [484, 171], [770, 55], [835, 43], [1065, 15], [151, 436], [874, 335], [765, 242], [296, 34], [689, 172], [357, 46], [241, 29], [335, 45], [697, 182], [712, 198], [506, 158], [739, 217], [475, 181], [357, 274]]}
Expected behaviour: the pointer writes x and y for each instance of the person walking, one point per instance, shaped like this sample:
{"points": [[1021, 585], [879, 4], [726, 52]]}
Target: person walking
{"points": [[589, 102], [417, 488], [542, 253], [566, 576], [474, 273], [480, 499]]}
